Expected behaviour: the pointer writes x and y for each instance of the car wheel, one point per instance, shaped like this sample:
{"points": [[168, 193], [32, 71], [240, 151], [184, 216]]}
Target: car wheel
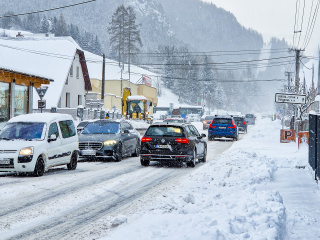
{"points": [[204, 159], [192, 163], [137, 150], [144, 163], [73, 162], [119, 153], [39, 168]]}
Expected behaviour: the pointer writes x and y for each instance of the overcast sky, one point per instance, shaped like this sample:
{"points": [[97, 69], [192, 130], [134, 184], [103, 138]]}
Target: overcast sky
{"points": [[274, 18]]}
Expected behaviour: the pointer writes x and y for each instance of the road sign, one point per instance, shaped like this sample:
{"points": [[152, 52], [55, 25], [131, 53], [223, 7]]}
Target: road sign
{"points": [[42, 91], [290, 98], [41, 104]]}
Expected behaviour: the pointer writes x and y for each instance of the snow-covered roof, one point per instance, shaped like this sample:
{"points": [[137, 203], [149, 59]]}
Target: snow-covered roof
{"points": [[47, 57], [41, 117], [113, 71]]}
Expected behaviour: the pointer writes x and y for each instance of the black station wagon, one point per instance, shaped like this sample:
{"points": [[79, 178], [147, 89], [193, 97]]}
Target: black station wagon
{"points": [[173, 142]]}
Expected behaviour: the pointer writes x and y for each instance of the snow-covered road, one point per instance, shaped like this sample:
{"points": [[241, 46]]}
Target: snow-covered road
{"points": [[78, 204]]}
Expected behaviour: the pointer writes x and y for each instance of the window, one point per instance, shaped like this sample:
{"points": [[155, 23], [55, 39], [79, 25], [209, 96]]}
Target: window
{"points": [[53, 129], [165, 131], [71, 70], [4, 102], [67, 128], [77, 73], [20, 100], [67, 81], [194, 131], [79, 100], [68, 100]]}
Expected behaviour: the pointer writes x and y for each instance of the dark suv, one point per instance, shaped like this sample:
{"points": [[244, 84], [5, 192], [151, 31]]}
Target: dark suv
{"points": [[173, 142], [241, 123], [223, 127]]}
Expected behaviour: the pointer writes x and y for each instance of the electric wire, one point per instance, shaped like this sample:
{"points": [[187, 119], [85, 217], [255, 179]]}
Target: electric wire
{"points": [[47, 10], [314, 19], [308, 26], [304, 4]]}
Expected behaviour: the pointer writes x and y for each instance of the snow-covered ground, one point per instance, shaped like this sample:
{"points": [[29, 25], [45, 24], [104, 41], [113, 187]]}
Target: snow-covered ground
{"points": [[258, 189]]}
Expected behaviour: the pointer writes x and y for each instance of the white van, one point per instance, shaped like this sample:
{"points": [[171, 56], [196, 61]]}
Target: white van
{"points": [[33, 143]]}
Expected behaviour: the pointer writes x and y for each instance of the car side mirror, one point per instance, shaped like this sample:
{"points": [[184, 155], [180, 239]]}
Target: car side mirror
{"points": [[126, 131], [202, 136], [52, 138]]}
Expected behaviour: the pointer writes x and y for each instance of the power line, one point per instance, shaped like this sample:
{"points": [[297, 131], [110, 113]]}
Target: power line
{"points": [[304, 4], [47, 10], [295, 22], [312, 24], [308, 29], [213, 63]]}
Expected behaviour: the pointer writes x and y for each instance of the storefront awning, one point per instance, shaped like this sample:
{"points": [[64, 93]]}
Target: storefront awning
{"points": [[22, 78]]}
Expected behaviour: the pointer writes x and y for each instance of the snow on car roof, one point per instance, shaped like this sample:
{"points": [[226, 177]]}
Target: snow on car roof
{"points": [[40, 117], [137, 97]]}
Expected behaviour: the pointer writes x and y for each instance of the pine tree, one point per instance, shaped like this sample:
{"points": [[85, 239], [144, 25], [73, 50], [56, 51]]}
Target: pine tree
{"points": [[132, 40], [116, 31], [97, 46], [125, 38], [44, 25], [61, 27]]}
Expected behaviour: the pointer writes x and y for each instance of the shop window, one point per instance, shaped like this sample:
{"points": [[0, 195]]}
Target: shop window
{"points": [[4, 102], [20, 100]]}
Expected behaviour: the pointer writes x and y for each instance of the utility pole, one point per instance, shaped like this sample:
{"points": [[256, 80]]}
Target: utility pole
{"points": [[103, 77], [288, 74], [297, 85]]}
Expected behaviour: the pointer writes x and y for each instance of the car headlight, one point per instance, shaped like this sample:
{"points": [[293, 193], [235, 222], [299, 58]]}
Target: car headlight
{"points": [[26, 151], [110, 142]]}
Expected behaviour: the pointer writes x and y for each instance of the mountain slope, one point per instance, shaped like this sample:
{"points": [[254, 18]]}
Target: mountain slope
{"points": [[200, 26]]}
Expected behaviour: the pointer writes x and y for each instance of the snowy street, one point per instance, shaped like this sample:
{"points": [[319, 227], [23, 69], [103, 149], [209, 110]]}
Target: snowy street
{"points": [[71, 204], [250, 189]]}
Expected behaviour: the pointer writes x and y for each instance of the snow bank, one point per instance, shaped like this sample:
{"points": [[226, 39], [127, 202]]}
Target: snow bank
{"points": [[224, 198]]}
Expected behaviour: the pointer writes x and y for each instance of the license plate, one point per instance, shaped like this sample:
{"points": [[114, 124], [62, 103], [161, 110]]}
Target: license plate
{"points": [[88, 152], [222, 127], [4, 161], [161, 146]]}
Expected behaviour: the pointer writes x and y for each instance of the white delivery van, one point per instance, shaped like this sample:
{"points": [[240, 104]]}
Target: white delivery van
{"points": [[33, 143]]}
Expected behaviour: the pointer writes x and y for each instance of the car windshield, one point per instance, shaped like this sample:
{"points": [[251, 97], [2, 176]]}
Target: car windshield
{"points": [[174, 120], [22, 130], [238, 119], [222, 121], [209, 118], [249, 115], [165, 131], [101, 128], [82, 124]]}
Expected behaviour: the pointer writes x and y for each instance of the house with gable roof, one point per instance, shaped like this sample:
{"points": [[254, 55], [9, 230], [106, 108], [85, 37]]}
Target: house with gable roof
{"points": [[59, 59]]}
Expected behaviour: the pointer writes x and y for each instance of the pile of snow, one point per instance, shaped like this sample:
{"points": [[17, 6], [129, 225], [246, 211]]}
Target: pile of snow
{"points": [[139, 124], [241, 194]]}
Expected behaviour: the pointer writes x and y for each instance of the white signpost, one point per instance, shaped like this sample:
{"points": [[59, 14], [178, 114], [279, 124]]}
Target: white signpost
{"points": [[290, 98]]}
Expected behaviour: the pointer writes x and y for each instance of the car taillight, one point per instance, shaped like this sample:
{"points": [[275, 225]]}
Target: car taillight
{"points": [[182, 140], [146, 139], [244, 123], [233, 126]]}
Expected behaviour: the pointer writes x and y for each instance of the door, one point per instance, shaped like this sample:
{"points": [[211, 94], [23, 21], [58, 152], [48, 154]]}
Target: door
{"points": [[69, 140], [199, 141], [54, 147], [126, 138]]}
